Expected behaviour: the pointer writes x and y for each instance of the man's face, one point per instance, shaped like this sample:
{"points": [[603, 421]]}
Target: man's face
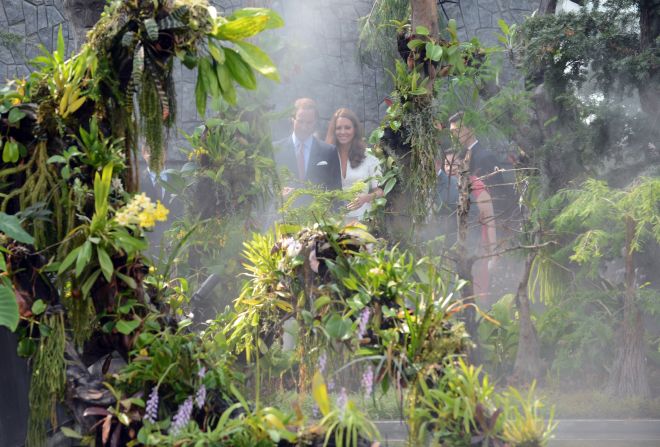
{"points": [[460, 131], [304, 123]]}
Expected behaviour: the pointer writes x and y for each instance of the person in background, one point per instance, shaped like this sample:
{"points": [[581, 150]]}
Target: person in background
{"points": [[482, 160], [356, 163], [484, 239], [306, 157], [152, 185]]}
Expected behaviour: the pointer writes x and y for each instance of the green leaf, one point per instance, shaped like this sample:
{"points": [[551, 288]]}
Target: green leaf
{"points": [[200, 95], [89, 282], [61, 49], [66, 431], [56, 159], [216, 53], [10, 152], [422, 30], [503, 26], [240, 70], [208, 77], [39, 307], [105, 262], [68, 260], [11, 226], [241, 28], [3, 264], [127, 39], [274, 19], [226, 85], [26, 347], [151, 27], [258, 60], [84, 257], [321, 301], [15, 115], [126, 327], [130, 282], [415, 43], [8, 308], [389, 185], [338, 327], [433, 52]]}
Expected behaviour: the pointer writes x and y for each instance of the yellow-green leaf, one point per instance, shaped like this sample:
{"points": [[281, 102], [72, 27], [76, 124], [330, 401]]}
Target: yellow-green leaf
{"points": [[258, 60], [241, 28], [8, 308], [274, 19], [320, 393]]}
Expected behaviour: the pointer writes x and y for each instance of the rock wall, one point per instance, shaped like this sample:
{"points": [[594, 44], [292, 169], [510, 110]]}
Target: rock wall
{"points": [[24, 24]]}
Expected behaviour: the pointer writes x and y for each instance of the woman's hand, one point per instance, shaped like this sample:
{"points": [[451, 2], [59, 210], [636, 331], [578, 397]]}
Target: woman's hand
{"points": [[286, 191], [359, 201]]}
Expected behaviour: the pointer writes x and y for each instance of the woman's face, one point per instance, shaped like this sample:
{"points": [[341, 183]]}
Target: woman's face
{"points": [[344, 130]]}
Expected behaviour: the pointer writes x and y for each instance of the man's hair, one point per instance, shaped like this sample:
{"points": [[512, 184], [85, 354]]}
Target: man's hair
{"points": [[305, 104], [456, 117]]}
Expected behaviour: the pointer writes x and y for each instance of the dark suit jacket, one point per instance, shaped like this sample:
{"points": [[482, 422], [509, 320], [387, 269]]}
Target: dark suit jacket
{"points": [[322, 167]]}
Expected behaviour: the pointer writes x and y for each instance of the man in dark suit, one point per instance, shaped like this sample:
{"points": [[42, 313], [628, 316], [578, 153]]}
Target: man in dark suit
{"points": [[483, 164], [307, 158]]}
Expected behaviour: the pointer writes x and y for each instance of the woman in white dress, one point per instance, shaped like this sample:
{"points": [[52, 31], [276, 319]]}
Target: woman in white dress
{"points": [[357, 164]]}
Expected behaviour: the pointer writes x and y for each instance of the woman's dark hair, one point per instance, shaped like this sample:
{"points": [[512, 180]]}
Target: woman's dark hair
{"points": [[356, 153]]}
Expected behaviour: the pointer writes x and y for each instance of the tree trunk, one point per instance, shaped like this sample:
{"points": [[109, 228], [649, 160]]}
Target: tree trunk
{"points": [[527, 366], [649, 88], [465, 261], [548, 6], [628, 376], [425, 13]]}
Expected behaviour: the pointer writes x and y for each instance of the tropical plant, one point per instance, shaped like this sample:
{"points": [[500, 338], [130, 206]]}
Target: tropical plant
{"points": [[69, 135], [605, 222]]}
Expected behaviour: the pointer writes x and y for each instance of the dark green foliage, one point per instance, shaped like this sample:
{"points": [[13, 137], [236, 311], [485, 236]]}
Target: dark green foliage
{"points": [[599, 45]]}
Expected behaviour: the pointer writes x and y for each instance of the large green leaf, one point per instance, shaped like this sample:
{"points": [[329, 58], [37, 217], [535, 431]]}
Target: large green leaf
{"points": [[73, 254], [127, 326], [338, 328], [11, 226], [200, 95], [84, 256], [8, 308], [205, 68], [259, 60], [241, 28], [240, 70], [274, 19], [226, 85]]}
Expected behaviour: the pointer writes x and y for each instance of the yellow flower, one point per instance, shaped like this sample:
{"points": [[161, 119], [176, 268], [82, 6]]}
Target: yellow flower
{"points": [[147, 220], [123, 219], [160, 213], [141, 200]]}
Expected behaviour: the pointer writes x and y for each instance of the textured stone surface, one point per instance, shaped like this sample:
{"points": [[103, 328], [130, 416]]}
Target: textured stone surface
{"points": [[320, 59], [24, 24]]}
